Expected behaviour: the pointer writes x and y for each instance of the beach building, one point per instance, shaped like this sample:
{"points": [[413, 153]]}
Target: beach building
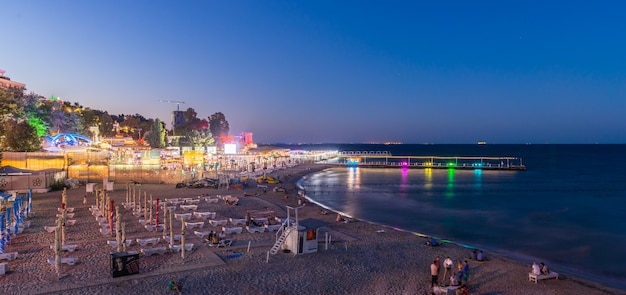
{"points": [[5, 82]]}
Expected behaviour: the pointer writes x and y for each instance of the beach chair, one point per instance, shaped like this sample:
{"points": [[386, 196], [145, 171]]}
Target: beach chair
{"points": [[8, 256], [222, 243]]}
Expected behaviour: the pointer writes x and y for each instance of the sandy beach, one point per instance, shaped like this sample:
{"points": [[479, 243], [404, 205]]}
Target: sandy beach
{"points": [[362, 258]]}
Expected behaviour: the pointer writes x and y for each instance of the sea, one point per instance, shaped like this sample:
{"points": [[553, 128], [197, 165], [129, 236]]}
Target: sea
{"points": [[566, 209]]}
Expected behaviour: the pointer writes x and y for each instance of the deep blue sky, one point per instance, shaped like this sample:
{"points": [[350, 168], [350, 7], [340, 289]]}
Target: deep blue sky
{"points": [[337, 71]]}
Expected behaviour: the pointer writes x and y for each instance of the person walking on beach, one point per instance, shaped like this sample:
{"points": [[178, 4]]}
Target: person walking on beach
{"points": [[434, 272]]}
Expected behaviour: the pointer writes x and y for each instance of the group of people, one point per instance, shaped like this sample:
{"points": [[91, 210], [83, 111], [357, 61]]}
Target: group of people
{"points": [[459, 277], [214, 238], [540, 269], [478, 255]]}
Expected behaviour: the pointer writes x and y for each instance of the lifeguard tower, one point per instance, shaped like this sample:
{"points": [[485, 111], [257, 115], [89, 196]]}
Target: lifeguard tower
{"points": [[297, 237]]}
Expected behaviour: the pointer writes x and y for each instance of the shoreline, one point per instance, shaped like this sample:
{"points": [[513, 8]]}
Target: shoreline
{"points": [[360, 259]]}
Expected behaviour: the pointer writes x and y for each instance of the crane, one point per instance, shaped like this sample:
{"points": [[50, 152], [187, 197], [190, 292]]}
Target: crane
{"points": [[177, 102]]}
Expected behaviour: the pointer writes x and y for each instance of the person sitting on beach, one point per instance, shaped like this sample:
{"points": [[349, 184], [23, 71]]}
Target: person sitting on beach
{"points": [[535, 269], [454, 280], [432, 242], [463, 290], [173, 286], [544, 269], [480, 256], [474, 255]]}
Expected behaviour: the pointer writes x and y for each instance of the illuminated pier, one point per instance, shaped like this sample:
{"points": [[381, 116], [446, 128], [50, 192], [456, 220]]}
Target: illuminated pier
{"points": [[378, 159]]}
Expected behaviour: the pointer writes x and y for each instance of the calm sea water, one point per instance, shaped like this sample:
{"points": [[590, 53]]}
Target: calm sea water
{"points": [[566, 209]]}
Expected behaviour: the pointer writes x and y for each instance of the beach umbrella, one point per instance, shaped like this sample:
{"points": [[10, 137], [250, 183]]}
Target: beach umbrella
{"points": [[150, 220], [157, 212], [111, 216], [57, 247]]}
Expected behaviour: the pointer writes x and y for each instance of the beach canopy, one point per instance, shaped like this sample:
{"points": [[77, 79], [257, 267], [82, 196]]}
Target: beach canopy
{"points": [[5, 196]]}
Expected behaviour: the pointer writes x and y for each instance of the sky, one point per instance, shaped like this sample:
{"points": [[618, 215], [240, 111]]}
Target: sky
{"points": [[336, 71]]}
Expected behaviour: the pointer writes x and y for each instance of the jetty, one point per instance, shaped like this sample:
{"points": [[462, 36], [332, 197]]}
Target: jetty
{"points": [[381, 159]]}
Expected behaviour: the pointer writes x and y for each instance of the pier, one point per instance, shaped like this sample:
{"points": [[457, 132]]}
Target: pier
{"points": [[380, 159]]}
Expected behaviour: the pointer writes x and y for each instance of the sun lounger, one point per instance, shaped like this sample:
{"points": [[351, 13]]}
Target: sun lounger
{"points": [[105, 231], [149, 241], [113, 244], [535, 278], [192, 225], [67, 215], [232, 230], [128, 205], [70, 222], [221, 243], [218, 222], [66, 247], [180, 216], [445, 290], [189, 207], [152, 251], [153, 227], [204, 215], [201, 234], [171, 208], [8, 256], [190, 201], [253, 229], [176, 238], [273, 227], [211, 200], [50, 229], [237, 221], [67, 209], [65, 260], [4, 268], [176, 247]]}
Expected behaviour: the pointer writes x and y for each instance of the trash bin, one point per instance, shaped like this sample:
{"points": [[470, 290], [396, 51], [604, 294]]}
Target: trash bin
{"points": [[124, 263]]}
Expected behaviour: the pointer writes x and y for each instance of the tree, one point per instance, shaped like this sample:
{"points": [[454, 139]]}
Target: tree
{"points": [[200, 138], [22, 137], [218, 125], [156, 136]]}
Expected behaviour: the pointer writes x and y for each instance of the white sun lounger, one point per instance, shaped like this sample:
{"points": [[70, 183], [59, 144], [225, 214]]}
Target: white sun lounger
{"points": [[535, 278], [152, 251], [8, 256], [70, 222], [204, 215], [50, 229], [192, 225], [176, 247], [66, 247], [232, 230], [201, 234], [189, 207], [211, 200], [180, 216], [221, 243], [237, 221], [218, 222], [149, 241], [65, 260], [113, 244], [67, 209], [253, 229], [68, 215], [176, 238]]}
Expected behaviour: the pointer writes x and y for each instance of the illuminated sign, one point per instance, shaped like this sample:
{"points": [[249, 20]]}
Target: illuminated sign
{"points": [[230, 148]]}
